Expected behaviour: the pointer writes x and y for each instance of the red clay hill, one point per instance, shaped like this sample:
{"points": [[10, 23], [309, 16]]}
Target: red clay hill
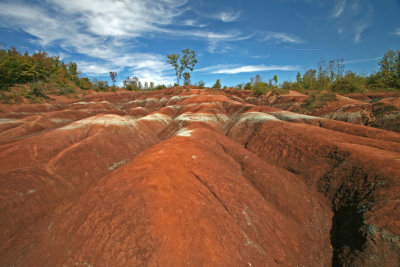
{"points": [[190, 177]]}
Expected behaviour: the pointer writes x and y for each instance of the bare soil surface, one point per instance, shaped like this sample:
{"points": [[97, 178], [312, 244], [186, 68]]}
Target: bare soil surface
{"points": [[379, 110], [184, 176]]}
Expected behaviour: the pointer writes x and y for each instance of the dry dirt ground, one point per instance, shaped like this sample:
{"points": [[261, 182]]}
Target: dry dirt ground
{"points": [[184, 176]]}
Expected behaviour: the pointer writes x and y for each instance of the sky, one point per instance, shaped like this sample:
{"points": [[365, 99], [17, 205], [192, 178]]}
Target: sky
{"points": [[233, 39]]}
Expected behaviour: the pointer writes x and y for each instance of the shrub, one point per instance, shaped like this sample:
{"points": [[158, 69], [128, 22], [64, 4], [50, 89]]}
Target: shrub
{"points": [[35, 90], [201, 84], [318, 100], [260, 88], [84, 83], [66, 90], [160, 86], [217, 84], [349, 83], [247, 86], [380, 109], [186, 78]]}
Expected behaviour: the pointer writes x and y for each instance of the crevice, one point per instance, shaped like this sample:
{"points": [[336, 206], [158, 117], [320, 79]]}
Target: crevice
{"points": [[348, 237], [211, 191], [351, 191], [290, 169]]}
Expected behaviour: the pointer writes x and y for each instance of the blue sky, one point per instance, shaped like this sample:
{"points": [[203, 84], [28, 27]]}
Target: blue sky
{"points": [[234, 39]]}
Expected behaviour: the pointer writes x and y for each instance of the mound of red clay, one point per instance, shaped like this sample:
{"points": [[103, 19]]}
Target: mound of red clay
{"points": [[194, 177], [379, 110]]}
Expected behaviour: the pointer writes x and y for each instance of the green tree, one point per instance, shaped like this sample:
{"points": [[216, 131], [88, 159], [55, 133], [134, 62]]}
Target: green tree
{"points": [[309, 79], [389, 71], [186, 78], [201, 84], [217, 84], [84, 83], [256, 79], [247, 86], [181, 62], [72, 72], [275, 79], [131, 83], [349, 83], [113, 76], [298, 77]]}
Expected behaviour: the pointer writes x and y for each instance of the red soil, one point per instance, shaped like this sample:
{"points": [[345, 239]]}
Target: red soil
{"points": [[191, 177]]}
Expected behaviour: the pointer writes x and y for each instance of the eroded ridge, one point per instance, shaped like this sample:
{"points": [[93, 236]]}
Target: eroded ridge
{"points": [[194, 177]]}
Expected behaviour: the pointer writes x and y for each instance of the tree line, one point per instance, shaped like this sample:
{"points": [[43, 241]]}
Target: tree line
{"points": [[331, 76], [40, 70]]}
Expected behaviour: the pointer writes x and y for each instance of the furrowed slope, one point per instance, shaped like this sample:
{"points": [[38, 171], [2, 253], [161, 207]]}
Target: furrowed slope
{"points": [[178, 177]]}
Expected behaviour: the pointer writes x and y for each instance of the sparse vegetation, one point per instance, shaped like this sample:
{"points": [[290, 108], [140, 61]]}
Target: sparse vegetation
{"points": [[217, 84], [380, 109], [186, 78], [40, 74], [318, 100], [113, 76], [331, 77], [201, 84]]}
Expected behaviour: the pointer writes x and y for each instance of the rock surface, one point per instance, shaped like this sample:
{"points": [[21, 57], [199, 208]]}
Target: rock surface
{"points": [[182, 177]]}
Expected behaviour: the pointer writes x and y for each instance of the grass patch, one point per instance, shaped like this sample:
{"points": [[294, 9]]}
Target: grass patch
{"points": [[380, 109], [318, 100]]}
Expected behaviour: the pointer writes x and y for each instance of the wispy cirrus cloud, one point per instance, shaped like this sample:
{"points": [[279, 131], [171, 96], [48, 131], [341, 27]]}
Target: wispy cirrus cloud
{"points": [[228, 16], [121, 18], [94, 68], [397, 32], [355, 61], [105, 31], [359, 29], [100, 30], [283, 37], [302, 49], [216, 67], [193, 23], [338, 8], [352, 17], [215, 39], [235, 69]]}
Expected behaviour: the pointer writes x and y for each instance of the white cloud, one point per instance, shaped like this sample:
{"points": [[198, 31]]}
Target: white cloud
{"points": [[358, 31], [34, 21], [214, 38], [228, 16], [261, 56], [352, 17], [355, 61], [234, 69], [126, 18], [397, 32], [338, 8], [104, 31], [302, 49], [282, 37], [93, 68], [90, 19], [193, 23], [217, 67]]}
